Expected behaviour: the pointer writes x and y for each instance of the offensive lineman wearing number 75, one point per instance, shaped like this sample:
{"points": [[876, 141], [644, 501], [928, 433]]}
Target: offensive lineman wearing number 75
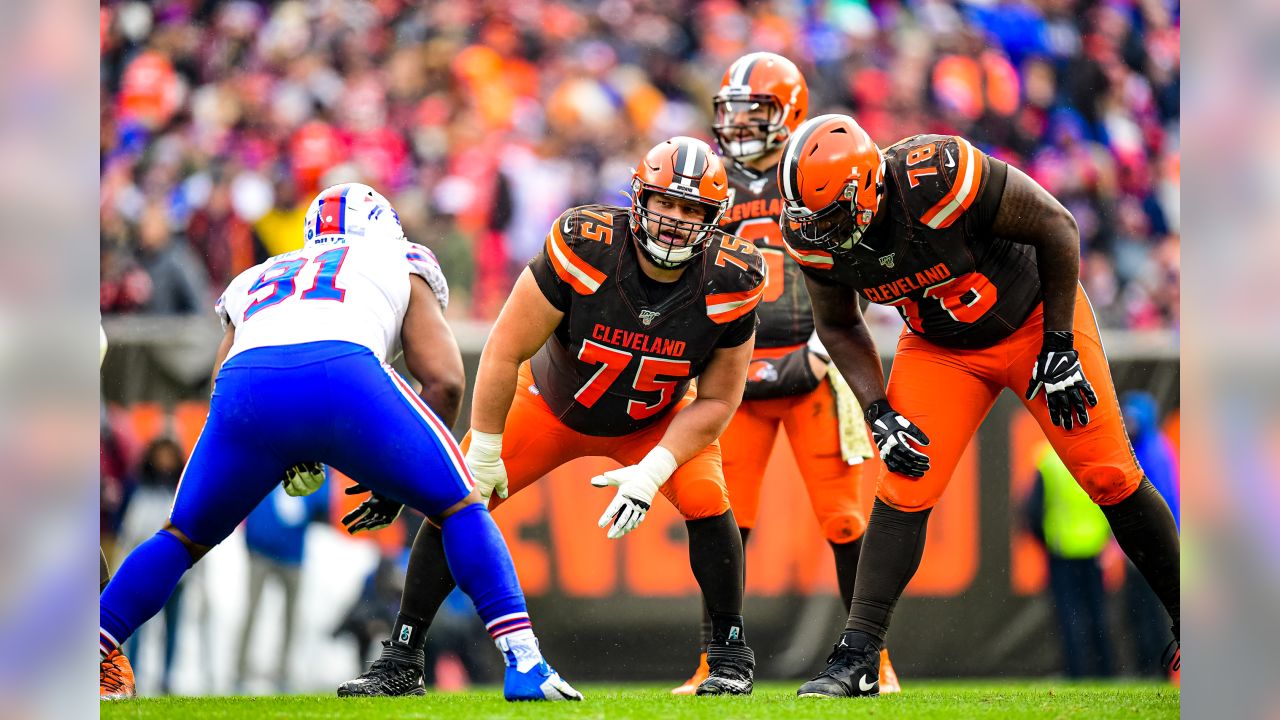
{"points": [[594, 353]]}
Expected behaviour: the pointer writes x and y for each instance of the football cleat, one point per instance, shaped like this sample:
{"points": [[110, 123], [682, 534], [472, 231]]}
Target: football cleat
{"points": [[691, 685], [538, 681], [115, 677], [398, 671], [730, 670], [1171, 660], [888, 677], [851, 672]]}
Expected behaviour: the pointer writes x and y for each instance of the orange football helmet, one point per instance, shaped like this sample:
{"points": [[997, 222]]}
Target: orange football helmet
{"points": [[684, 168], [832, 181], [754, 81]]}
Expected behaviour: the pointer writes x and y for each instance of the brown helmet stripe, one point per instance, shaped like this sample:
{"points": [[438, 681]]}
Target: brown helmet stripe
{"points": [[740, 73]]}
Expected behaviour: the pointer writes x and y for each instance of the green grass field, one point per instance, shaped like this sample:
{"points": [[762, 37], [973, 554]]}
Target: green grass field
{"points": [[771, 700]]}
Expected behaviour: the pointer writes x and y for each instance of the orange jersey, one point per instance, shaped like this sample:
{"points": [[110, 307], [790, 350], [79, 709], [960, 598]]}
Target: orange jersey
{"points": [[931, 254], [755, 204], [629, 347]]}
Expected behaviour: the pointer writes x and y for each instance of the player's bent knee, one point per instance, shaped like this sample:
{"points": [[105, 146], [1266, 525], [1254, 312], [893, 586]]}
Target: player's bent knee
{"points": [[698, 499], [841, 529], [472, 499], [907, 501], [1108, 484], [194, 549]]}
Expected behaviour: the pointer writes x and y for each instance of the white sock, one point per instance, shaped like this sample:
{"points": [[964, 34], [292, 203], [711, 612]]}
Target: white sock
{"points": [[524, 646]]}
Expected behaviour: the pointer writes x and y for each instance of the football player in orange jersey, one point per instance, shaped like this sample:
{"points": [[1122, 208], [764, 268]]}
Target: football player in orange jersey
{"points": [[594, 354], [983, 265], [762, 99]]}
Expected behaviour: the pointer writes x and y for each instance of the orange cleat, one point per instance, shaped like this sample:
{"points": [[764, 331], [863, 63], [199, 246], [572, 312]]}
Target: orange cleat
{"points": [[888, 678], [115, 677], [690, 686]]}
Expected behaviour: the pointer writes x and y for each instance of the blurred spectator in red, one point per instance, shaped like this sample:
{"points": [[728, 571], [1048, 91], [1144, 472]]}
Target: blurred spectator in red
{"points": [[225, 243]]}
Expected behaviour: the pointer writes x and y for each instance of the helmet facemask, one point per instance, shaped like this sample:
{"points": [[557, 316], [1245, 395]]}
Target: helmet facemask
{"points": [[667, 241], [766, 133]]}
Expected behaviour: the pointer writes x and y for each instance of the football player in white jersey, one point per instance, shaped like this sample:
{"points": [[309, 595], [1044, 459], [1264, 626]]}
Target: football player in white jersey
{"points": [[301, 376]]}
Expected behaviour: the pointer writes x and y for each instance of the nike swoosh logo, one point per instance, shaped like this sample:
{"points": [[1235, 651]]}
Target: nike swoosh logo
{"points": [[864, 686], [950, 161]]}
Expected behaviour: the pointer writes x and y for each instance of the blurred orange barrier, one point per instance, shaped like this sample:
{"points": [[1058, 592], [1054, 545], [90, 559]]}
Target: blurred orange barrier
{"points": [[551, 528]]}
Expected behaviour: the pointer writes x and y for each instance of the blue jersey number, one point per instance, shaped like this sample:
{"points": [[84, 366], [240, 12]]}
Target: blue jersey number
{"points": [[282, 277], [326, 287]]}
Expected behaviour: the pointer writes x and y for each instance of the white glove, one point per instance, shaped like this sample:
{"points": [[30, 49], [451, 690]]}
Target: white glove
{"points": [[484, 460], [303, 479], [637, 484]]}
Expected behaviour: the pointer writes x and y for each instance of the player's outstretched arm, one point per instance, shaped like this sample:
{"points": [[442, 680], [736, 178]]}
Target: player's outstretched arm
{"points": [[431, 352], [837, 316], [524, 325], [1029, 214], [837, 313], [719, 392]]}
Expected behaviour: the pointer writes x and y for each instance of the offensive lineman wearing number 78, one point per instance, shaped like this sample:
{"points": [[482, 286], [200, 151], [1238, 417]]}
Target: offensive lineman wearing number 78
{"points": [[983, 264]]}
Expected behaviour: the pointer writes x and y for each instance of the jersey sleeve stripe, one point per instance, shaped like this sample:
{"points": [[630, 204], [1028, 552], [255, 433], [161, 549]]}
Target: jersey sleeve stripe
{"points": [[810, 258], [572, 269], [963, 192], [727, 307]]}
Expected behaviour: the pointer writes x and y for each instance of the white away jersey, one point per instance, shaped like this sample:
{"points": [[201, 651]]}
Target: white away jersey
{"points": [[352, 289]]}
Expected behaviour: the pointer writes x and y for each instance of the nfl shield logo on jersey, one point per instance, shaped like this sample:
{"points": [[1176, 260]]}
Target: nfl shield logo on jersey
{"points": [[648, 316], [887, 261]]}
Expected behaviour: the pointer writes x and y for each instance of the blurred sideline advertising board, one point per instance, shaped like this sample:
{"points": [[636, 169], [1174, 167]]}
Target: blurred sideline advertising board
{"points": [[977, 605]]}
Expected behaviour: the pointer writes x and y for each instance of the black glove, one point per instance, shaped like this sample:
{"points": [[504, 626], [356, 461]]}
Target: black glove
{"points": [[373, 514], [1058, 371], [891, 432]]}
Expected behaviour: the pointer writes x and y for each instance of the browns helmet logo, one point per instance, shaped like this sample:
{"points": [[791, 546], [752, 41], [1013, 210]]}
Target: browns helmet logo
{"points": [[762, 371]]}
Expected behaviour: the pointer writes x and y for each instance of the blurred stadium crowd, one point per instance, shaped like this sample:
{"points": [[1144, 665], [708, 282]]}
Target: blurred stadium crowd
{"points": [[483, 120]]}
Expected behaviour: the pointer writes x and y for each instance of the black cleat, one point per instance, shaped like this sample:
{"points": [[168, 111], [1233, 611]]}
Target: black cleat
{"points": [[730, 670], [1171, 658], [851, 672], [398, 671]]}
